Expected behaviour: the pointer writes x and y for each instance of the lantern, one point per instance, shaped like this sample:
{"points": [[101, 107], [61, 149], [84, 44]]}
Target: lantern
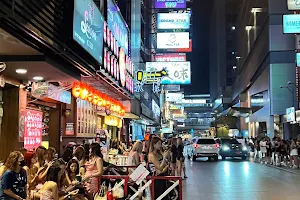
{"points": [[90, 95], [122, 112], [76, 89], [108, 102], [95, 98], [84, 91]]}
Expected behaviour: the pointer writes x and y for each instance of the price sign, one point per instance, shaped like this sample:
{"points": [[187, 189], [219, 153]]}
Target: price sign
{"points": [[33, 126]]}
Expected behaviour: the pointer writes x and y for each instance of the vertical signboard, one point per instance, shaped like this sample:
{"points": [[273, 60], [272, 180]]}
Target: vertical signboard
{"points": [[290, 114], [117, 25], [33, 126]]}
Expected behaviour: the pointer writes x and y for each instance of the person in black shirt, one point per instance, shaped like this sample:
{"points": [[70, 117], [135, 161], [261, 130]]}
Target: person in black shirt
{"points": [[14, 180], [180, 158], [174, 152]]}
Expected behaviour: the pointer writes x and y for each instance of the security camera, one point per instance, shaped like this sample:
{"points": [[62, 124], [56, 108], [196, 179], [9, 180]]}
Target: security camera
{"points": [[2, 66], [281, 86]]}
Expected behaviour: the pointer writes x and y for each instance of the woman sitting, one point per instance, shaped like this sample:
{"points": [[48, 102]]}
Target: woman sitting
{"points": [[52, 187]]}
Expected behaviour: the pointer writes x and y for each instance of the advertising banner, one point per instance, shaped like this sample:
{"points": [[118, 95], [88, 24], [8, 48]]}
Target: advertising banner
{"points": [[170, 57], [173, 88], [173, 21], [173, 40], [155, 109], [293, 4], [88, 25], [169, 3], [33, 126], [117, 25], [174, 97], [178, 73], [290, 114], [291, 23]]}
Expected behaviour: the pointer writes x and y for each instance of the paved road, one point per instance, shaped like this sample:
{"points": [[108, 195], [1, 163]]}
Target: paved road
{"points": [[238, 180]]}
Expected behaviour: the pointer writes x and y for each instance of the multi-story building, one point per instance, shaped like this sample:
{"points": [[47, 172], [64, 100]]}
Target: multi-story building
{"points": [[265, 65], [222, 51]]}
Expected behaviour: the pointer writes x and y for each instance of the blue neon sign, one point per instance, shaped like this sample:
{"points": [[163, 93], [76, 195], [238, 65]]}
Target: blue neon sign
{"points": [[291, 23], [88, 27], [117, 25]]}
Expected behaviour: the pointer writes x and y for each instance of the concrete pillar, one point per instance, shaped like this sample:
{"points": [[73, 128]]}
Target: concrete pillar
{"points": [[270, 127]]}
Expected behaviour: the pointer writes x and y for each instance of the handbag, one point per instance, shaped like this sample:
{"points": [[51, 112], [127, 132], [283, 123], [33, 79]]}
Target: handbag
{"points": [[101, 195]]}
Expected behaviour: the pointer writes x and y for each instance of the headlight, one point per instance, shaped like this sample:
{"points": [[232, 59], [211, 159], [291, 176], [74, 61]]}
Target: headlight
{"points": [[244, 148], [226, 148]]}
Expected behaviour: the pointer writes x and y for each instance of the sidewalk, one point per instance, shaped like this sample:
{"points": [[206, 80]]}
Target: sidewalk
{"points": [[283, 168]]}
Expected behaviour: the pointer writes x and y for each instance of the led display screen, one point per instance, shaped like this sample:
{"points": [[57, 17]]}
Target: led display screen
{"points": [[173, 21], [169, 3]]}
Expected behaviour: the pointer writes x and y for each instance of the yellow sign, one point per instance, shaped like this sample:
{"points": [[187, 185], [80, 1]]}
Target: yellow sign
{"points": [[151, 77], [113, 121]]}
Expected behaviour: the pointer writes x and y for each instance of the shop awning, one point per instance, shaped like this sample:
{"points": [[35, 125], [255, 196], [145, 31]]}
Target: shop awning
{"points": [[107, 86]]}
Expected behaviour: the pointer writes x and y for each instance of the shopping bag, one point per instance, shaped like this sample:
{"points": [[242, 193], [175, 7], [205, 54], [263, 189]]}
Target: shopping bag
{"points": [[118, 192]]}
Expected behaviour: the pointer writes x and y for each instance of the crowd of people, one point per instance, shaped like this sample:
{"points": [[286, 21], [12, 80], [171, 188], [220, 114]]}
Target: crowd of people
{"points": [[42, 174], [276, 151]]}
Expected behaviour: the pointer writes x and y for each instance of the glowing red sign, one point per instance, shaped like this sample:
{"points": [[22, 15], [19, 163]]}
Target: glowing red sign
{"points": [[33, 126]]}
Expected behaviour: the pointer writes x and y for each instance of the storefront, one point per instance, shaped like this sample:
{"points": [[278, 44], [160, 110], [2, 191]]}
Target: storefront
{"points": [[92, 112], [34, 101]]}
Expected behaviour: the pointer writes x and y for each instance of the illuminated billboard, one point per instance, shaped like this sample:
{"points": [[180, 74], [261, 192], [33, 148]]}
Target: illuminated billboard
{"points": [[293, 4], [117, 25], [298, 59], [173, 40], [174, 97], [169, 3], [178, 73], [291, 23], [173, 21], [88, 25], [170, 57]]}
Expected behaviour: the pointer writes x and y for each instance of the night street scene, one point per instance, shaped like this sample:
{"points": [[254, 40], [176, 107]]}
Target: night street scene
{"points": [[149, 99]]}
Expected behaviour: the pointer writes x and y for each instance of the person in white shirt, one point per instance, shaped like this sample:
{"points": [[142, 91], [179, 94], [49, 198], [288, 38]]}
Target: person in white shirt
{"points": [[263, 149]]}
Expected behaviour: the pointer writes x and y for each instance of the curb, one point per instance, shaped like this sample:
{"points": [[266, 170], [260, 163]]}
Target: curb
{"points": [[280, 168]]}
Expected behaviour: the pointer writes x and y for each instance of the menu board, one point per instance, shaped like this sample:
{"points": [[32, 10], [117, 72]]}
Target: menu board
{"points": [[86, 118], [33, 126]]}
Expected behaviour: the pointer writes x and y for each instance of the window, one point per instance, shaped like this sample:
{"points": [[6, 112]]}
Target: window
{"points": [[206, 141]]}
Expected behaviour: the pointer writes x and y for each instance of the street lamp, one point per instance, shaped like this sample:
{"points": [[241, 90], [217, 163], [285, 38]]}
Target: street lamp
{"points": [[248, 29], [254, 11], [292, 91]]}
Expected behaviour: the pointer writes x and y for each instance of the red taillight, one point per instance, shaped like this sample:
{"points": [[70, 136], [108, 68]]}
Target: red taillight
{"points": [[196, 146], [217, 145]]}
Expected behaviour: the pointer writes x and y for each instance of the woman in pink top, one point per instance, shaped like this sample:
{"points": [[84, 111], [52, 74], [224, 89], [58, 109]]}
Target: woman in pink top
{"points": [[94, 169]]}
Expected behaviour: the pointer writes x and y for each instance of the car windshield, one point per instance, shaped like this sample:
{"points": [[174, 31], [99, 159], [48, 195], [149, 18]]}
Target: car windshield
{"points": [[230, 141], [206, 141]]}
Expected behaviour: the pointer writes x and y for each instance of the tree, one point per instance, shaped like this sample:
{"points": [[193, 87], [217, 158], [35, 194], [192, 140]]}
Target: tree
{"points": [[223, 124]]}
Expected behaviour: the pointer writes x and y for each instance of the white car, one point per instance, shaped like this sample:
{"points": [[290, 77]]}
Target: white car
{"points": [[205, 147]]}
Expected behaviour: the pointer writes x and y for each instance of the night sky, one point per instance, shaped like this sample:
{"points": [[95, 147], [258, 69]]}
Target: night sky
{"points": [[200, 56]]}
